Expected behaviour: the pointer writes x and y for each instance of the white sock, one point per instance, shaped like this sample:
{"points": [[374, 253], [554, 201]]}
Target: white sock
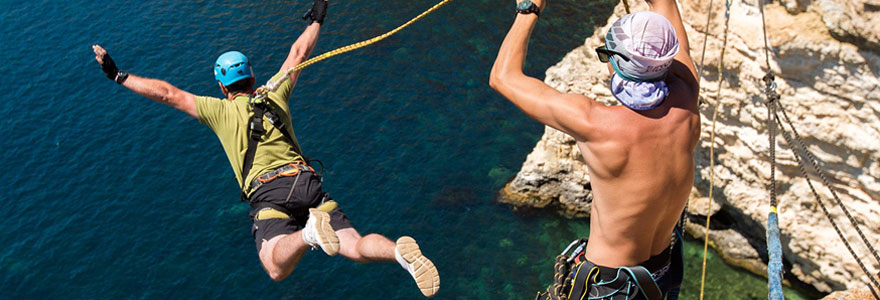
{"points": [[403, 262]]}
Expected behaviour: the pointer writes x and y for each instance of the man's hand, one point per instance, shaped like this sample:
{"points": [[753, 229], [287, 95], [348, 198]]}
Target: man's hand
{"points": [[317, 13], [107, 64]]}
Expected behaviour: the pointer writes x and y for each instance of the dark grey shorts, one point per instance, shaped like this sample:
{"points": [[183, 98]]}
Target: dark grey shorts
{"points": [[306, 194]]}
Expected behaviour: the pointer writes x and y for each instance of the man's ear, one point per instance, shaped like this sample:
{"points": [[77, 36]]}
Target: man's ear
{"points": [[223, 88]]}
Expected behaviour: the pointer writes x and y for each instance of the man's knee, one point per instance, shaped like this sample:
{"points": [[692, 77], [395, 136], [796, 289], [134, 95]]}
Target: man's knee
{"points": [[349, 243], [276, 274], [266, 259]]}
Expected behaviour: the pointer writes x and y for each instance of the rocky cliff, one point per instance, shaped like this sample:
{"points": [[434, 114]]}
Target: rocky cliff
{"points": [[825, 57]]}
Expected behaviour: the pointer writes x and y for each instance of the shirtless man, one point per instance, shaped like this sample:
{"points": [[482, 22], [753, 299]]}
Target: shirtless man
{"points": [[283, 190], [639, 154]]}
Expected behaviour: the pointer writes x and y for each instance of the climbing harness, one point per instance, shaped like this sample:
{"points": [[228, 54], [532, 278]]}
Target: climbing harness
{"points": [[261, 107], [577, 278], [288, 170]]}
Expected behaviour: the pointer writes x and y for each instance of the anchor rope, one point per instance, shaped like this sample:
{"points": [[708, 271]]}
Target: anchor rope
{"points": [[712, 147]]}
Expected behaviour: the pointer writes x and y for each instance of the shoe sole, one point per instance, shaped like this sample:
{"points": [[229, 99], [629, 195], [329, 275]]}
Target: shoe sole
{"points": [[329, 241], [424, 272]]}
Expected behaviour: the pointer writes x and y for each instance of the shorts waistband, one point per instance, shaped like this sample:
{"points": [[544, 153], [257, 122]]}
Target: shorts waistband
{"points": [[289, 170], [654, 264]]}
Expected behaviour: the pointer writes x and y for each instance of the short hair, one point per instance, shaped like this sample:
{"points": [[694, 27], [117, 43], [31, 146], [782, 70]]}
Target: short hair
{"points": [[241, 86]]}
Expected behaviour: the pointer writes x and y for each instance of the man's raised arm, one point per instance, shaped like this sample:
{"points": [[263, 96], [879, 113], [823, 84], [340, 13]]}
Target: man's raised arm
{"points": [[157, 90], [303, 46], [565, 112], [669, 9]]}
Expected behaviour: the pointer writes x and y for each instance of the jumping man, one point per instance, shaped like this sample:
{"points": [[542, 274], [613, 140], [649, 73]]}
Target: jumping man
{"points": [[284, 191], [639, 154]]}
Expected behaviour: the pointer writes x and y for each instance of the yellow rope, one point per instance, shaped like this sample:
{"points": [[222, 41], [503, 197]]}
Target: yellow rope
{"points": [[270, 86], [712, 150], [626, 6], [366, 42]]}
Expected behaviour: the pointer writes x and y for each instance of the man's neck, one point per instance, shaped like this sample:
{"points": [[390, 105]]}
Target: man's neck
{"points": [[230, 97]]}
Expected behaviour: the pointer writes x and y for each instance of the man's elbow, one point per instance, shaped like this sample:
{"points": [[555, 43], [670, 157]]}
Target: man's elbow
{"points": [[496, 79]]}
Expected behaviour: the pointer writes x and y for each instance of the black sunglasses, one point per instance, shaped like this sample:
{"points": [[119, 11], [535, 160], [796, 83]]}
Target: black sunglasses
{"points": [[605, 54]]}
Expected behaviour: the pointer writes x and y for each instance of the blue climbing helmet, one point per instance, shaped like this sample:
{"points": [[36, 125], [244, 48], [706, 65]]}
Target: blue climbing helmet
{"points": [[231, 67]]}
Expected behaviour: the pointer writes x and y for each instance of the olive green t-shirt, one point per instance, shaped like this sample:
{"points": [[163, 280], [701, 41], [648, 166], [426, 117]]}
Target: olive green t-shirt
{"points": [[230, 119]]}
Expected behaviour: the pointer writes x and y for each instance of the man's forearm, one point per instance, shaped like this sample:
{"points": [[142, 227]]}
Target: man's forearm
{"points": [[512, 54], [160, 91], [156, 90], [308, 39], [302, 47]]}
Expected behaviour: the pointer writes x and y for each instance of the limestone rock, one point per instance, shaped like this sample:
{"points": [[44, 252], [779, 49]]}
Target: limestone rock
{"points": [[854, 21], [862, 294], [825, 57]]}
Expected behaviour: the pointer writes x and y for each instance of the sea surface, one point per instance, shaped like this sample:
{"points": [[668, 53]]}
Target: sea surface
{"points": [[107, 195]]}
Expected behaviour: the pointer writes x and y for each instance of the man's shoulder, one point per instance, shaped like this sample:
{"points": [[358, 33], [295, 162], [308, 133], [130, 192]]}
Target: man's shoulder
{"points": [[208, 101], [217, 110]]}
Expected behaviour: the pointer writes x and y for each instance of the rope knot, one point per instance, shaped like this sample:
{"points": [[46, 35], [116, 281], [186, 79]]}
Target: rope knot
{"points": [[770, 87]]}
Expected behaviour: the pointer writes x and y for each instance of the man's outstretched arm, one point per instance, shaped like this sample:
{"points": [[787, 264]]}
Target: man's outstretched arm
{"points": [[565, 112], [686, 71], [303, 46], [157, 90]]}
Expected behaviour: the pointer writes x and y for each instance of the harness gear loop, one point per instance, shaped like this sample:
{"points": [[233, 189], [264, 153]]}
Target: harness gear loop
{"points": [[562, 268]]}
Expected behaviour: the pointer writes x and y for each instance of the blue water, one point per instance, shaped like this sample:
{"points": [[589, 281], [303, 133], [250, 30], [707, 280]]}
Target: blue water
{"points": [[107, 195]]}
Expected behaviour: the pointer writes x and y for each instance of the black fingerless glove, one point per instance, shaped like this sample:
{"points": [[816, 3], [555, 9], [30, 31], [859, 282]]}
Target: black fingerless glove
{"points": [[109, 67], [111, 71], [317, 13]]}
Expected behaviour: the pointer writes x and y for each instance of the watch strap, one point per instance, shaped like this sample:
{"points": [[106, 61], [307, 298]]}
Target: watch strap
{"points": [[528, 7], [121, 76]]}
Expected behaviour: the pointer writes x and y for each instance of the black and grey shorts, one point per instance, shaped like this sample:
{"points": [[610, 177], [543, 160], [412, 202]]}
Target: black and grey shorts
{"points": [[306, 194]]}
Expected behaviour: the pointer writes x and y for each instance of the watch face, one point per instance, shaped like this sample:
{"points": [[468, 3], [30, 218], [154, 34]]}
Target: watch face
{"points": [[524, 5]]}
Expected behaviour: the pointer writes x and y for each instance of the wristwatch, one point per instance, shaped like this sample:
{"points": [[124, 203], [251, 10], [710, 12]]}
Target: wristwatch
{"points": [[121, 76], [527, 7]]}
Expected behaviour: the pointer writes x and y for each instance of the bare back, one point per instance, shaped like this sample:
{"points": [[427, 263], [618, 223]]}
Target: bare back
{"points": [[641, 162], [641, 170]]}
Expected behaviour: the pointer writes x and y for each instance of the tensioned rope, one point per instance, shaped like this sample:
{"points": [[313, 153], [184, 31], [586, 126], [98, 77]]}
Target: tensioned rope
{"points": [[705, 42], [358, 45], [774, 247], [822, 176], [712, 140], [802, 148], [773, 119]]}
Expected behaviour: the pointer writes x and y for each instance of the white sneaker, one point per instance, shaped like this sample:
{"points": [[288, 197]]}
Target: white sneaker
{"points": [[319, 233], [420, 267]]}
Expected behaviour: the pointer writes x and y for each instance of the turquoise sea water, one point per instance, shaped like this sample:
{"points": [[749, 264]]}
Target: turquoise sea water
{"points": [[107, 195]]}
